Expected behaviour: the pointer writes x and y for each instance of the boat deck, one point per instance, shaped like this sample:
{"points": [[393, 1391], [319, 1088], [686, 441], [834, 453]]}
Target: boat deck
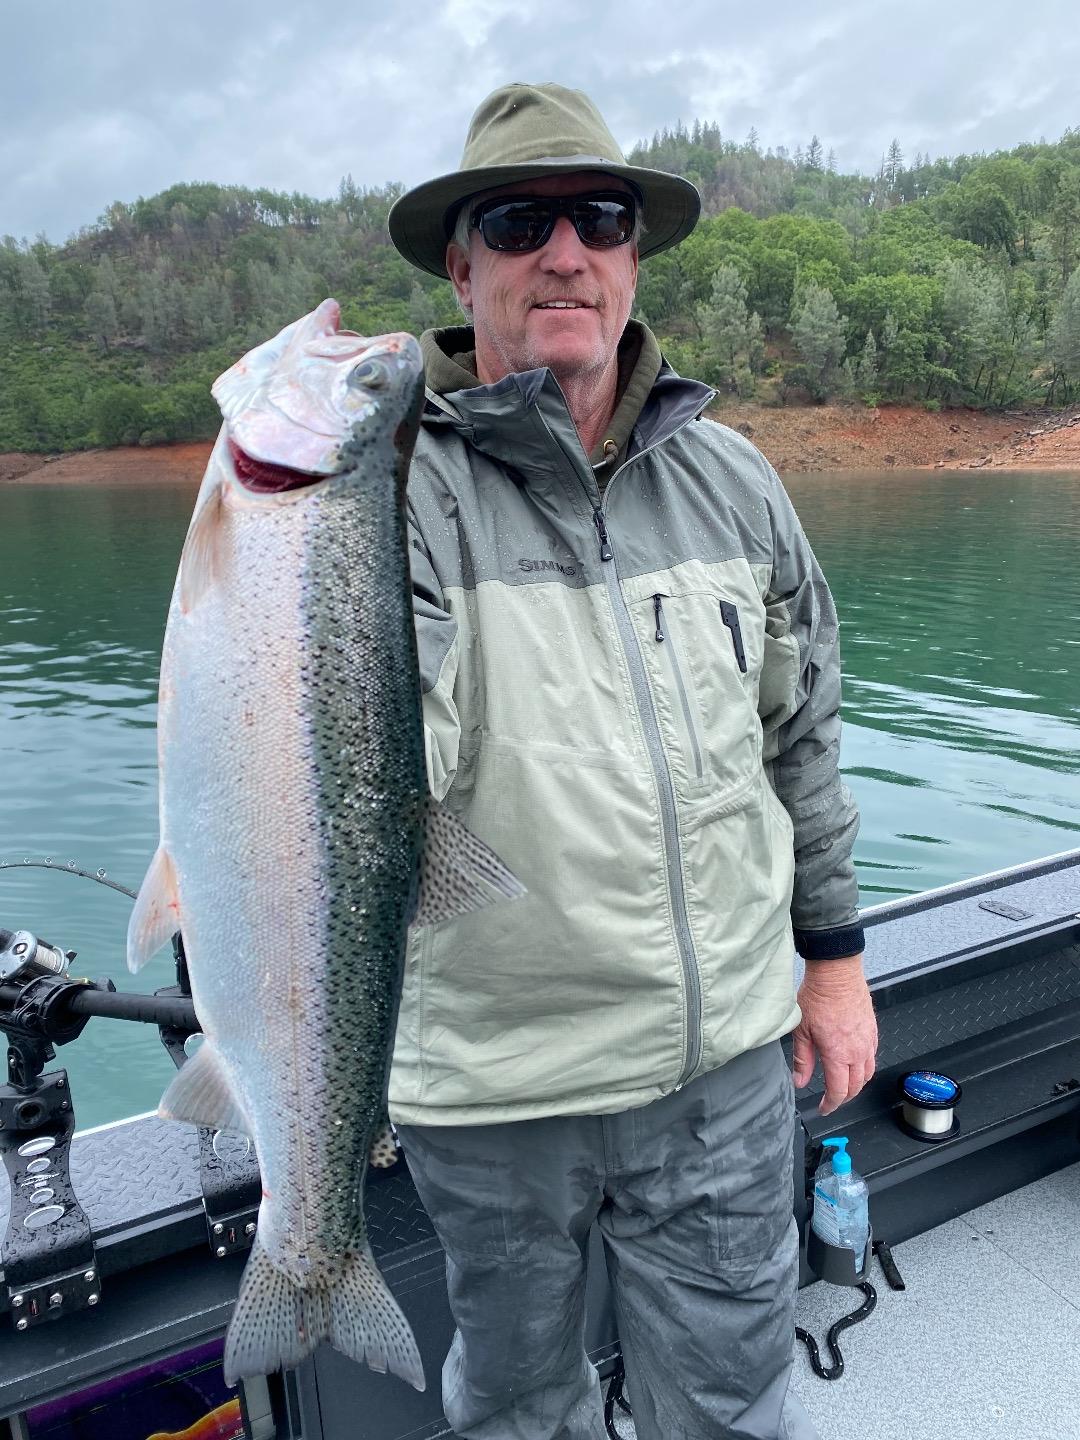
{"points": [[984, 1342]]}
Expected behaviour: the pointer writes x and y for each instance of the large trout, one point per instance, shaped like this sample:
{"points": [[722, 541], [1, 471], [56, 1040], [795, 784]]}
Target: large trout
{"points": [[298, 836]]}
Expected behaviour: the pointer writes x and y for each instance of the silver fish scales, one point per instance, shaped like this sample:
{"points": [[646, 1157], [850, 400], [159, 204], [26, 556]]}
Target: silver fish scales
{"points": [[298, 836]]}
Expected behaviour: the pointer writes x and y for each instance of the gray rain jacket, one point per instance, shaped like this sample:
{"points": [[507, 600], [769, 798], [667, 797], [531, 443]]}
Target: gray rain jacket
{"points": [[634, 702]]}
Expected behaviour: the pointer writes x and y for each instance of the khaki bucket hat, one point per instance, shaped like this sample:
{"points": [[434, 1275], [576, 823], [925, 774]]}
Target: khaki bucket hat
{"points": [[524, 132]]}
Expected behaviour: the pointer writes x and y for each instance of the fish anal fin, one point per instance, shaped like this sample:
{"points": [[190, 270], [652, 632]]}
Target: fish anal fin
{"points": [[203, 561], [458, 872], [200, 1093], [156, 916]]}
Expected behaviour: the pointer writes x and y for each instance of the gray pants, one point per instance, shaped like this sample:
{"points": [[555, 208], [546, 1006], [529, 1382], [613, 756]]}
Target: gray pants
{"points": [[693, 1198]]}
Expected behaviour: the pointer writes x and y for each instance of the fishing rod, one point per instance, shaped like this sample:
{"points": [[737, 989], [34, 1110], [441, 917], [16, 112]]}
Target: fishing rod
{"points": [[39, 998]]}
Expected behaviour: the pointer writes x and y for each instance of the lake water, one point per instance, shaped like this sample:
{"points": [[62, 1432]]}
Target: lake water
{"points": [[959, 597]]}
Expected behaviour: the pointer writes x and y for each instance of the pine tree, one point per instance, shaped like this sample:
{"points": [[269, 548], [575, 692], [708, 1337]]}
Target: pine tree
{"points": [[813, 154], [727, 330], [866, 367], [830, 163], [820, 335], [1065, 223], [1063, 340], [752, 140], [959, 304], [893, 164], [991, 331], [101, 320]]}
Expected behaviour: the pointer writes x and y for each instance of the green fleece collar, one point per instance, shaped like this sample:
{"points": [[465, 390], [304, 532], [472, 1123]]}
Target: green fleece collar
{"points": [[653, 400], [450, 366], [449, 359]]}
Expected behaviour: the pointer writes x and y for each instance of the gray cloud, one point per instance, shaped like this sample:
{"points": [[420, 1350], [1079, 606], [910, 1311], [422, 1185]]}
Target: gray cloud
{"points": [[110, 101]]}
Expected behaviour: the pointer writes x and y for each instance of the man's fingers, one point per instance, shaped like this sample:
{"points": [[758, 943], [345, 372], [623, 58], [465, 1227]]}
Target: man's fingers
{"points": [[844, 1082], [839, 1083], [802, 1057]]}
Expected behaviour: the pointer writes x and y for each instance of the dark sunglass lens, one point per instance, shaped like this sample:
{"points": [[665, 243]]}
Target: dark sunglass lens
{"points": [[604, 222], [515, 226]]}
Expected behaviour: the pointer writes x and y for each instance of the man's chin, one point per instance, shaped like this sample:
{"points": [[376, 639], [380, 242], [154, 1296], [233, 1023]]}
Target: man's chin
{"points": [[569, 362]]}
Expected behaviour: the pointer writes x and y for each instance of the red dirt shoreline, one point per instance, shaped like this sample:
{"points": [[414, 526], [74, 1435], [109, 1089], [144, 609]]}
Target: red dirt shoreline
{"points": [[795, 439]]}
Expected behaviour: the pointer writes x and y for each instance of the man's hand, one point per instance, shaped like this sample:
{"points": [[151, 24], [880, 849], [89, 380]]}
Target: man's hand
{"points": [[838, 1024]]}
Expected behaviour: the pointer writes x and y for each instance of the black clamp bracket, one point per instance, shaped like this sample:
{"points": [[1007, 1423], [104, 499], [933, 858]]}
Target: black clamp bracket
{"points": [[47, 1257]]}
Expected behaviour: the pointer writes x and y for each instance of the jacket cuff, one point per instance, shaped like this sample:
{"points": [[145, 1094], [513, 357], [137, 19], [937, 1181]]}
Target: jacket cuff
{"points": [[836, 944]]}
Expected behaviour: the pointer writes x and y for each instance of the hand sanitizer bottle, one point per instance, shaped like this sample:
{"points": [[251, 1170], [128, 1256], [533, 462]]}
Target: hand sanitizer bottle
{"points": [[841, 1210]]}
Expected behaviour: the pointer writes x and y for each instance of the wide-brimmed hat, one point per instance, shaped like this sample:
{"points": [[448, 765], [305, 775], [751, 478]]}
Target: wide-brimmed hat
{"points": [[525, 132]]}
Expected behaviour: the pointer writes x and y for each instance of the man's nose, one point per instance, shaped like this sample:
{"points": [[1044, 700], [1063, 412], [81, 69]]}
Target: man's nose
{"points": [[564, 253]]}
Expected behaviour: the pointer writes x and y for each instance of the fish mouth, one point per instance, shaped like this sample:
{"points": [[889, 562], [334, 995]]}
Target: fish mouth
{"points": [[263, 478]]}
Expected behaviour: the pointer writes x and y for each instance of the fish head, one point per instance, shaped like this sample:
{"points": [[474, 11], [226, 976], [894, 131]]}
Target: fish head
{"points": [[295, 404]]}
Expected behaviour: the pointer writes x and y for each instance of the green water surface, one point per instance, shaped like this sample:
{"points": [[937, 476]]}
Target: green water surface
{"points": [[959, 596]]}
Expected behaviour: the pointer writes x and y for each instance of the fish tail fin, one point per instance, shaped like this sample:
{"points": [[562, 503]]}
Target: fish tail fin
{"points": [[366, 1322], [276, 1324]]}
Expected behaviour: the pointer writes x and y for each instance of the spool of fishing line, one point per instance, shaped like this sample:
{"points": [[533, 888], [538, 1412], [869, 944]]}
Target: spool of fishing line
{"points": [[928, 1101]]}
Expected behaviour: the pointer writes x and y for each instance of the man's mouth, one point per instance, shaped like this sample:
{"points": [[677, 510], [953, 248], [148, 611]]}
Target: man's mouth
{"points": [[562, 305]]}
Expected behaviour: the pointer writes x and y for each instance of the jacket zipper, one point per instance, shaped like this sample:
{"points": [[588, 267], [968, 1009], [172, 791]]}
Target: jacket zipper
{"points": [[654, 745], [680, 685], [606, 552]]}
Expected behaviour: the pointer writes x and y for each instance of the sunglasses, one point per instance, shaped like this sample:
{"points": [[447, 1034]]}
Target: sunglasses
{"points": [[525, 222]]}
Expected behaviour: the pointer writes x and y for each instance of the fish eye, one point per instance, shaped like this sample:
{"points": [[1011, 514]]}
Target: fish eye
{"points": [[370, 374]]}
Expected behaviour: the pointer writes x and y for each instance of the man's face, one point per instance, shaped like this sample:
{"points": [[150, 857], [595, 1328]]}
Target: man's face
{"points": [[507, 292]]}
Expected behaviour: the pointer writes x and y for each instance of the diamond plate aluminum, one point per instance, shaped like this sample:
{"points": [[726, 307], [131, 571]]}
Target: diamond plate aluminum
{"points": [[974, 1007], [395, 1218], [979, 1005], [126, 1174]]}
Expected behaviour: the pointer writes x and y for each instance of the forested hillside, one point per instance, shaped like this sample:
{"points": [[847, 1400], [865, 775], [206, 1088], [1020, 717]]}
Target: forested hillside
{"points": [[946, 282]]}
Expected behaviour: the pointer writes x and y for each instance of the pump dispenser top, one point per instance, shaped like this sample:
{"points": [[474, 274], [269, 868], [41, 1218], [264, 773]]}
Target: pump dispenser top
{"points": [[841, 1160]]}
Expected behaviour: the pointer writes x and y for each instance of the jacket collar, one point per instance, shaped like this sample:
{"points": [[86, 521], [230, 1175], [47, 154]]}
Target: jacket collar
{"points": [[515, 419]]}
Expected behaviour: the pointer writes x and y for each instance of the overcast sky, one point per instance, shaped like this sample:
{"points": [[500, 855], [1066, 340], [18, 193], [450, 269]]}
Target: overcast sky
{"points": [[120, 98]]}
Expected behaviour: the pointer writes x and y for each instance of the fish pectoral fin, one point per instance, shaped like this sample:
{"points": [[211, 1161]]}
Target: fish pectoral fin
{"points": [[203, 560], [458, 872], [156, 916], [201, 1094]]}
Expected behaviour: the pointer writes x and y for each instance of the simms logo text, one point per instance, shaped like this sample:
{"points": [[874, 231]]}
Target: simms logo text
{"points": [[530, 565]]}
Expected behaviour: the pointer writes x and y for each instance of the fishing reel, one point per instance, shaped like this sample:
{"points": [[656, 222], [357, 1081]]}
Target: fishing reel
{"points": [[34, 1016], [23, 955]]}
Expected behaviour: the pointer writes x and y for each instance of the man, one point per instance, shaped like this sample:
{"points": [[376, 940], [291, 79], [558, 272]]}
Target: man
{"points": [[631, 685]]}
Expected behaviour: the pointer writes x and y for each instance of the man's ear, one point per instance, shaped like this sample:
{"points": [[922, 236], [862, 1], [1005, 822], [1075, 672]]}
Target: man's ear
{"points": [[459, 268]]}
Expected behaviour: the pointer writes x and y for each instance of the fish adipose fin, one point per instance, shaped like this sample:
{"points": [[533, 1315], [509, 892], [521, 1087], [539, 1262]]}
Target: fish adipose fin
{"points": [[276, 1324], [458, 872], [156, 916], [203, 562], [200, 1093]]}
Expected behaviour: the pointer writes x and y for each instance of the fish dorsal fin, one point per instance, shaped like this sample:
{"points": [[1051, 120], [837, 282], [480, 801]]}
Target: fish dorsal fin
{"points": [[458, 872], [156, 916], [200, 1093], [203, 560]]}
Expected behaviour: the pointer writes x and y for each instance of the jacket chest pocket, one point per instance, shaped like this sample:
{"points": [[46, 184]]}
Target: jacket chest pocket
{"points": [[700, 659]]}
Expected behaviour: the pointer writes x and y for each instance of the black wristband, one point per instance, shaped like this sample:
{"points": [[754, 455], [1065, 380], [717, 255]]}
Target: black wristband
{"points": [[838, 944]]}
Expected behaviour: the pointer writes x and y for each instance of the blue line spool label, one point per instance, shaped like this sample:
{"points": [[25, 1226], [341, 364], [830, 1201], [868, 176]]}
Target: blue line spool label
{"points": [[924, 1087]]}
